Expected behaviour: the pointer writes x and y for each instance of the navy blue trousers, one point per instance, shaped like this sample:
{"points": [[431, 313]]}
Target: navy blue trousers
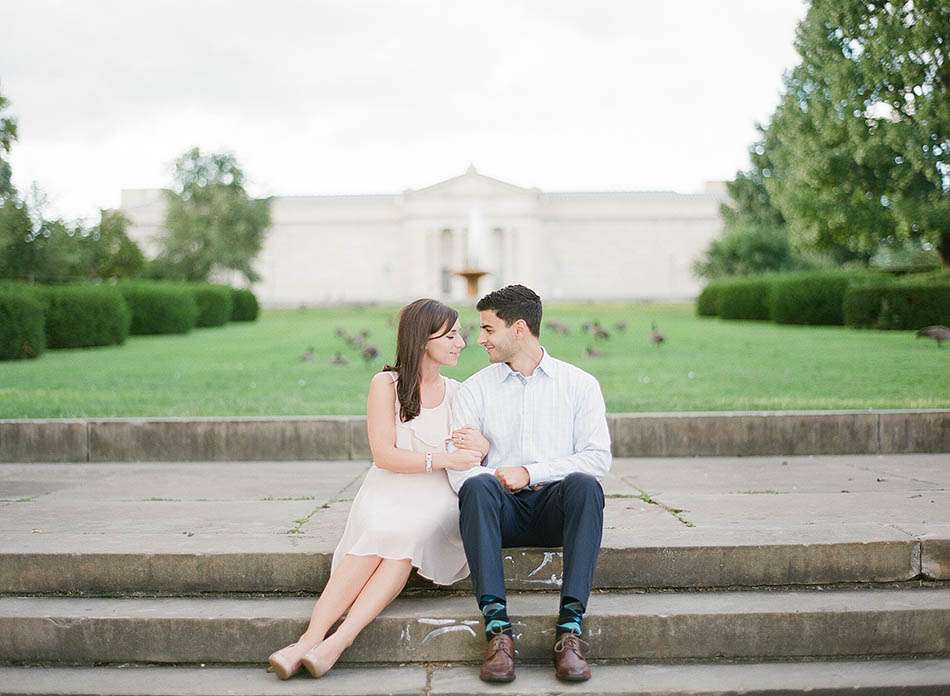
{"points": [[567, 513]]}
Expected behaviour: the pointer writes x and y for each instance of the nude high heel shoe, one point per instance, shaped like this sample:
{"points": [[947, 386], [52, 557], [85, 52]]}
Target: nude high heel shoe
{"points": [[316, 664], [282, 664]]}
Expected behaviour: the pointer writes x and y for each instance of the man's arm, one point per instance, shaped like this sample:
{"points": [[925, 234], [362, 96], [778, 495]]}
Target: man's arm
{"points": [[465, 410], [591, 441]]}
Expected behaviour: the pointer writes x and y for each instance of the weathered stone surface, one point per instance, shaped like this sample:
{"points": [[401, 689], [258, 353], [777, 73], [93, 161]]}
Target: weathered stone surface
{"points": [[744, 434], [247, 439], [923, 431], [344, 437], [43, 441], [669, 523], [906, 677], [924, 677], [359, 440], [654, 626], [935, 558]]}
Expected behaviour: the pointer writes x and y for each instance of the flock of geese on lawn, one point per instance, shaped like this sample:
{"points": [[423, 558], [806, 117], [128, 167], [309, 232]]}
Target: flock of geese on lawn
{"points": [[359, 342], [360, 345]]}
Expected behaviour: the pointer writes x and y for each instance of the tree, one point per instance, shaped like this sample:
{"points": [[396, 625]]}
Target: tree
{"points": [[861, 139], [113, 253], [211, 223], [16, 250], [54, 250], [755, 237], [8, 135]]}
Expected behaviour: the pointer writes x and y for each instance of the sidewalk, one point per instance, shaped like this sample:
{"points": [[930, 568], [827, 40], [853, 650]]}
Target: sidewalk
{"points": [[265, 526]]}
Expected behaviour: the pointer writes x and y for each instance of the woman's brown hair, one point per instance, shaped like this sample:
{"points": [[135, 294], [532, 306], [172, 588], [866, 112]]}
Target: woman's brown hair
{"points": [[417, 321]]}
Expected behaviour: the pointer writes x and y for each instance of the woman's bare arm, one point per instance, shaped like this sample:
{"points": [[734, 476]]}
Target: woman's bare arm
{"points": [[381, 428]]}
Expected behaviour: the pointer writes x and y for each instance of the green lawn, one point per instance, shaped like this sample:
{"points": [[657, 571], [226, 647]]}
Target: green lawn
{"points": [[706, 364]]}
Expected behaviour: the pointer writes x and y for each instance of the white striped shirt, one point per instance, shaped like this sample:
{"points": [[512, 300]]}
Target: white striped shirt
{"points": [[552, 423]]}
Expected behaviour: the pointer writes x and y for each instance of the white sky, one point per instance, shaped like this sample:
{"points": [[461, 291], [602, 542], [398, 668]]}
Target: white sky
{"points": [[375, 97]]}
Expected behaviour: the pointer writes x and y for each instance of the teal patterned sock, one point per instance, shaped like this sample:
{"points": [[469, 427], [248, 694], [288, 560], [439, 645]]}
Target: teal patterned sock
{"points": [[571, 618], [495, 611]]}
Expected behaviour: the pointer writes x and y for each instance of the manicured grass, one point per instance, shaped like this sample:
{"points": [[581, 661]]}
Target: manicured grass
{"points": [[705, 364]]}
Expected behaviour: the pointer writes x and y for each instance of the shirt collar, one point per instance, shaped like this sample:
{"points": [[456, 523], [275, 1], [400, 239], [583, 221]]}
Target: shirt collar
{"points": [[547, 366]]}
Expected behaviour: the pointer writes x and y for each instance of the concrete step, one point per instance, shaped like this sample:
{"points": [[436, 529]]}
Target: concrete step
{"points": [[204, 527], [685, 433], [620, 626], [923, 677], [709, 559]]}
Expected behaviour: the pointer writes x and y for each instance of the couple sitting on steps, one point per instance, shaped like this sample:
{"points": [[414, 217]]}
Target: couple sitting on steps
{"points": [[509, 458]]}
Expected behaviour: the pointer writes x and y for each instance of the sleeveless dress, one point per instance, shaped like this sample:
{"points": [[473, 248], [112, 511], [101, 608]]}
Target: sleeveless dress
{"points": [[410, 516]]}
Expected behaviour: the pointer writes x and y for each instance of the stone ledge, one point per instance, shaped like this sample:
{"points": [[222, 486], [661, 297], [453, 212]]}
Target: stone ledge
{"points": [[687, 433], [620, 626], [916, 677], [792, 562]]}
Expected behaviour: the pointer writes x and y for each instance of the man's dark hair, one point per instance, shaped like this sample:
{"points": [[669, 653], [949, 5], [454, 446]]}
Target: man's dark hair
{"points": [[512, 303]]}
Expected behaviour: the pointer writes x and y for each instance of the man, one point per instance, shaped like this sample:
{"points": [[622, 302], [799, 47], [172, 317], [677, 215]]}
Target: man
{"points": [[538, 486]]}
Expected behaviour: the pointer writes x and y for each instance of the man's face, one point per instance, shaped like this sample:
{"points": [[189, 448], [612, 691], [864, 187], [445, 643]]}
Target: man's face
{"points": [[499, 341]]}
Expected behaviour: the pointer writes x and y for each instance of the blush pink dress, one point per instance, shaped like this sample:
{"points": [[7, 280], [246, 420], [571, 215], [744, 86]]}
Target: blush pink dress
{"points": [[410, 516]]}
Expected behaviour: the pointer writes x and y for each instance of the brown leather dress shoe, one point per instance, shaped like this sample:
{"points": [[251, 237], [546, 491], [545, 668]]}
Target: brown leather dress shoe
{"points": [[499, 662], [569, 662]]}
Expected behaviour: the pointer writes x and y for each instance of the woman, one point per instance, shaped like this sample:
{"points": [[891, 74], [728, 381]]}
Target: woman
{"points": [[405, 514]]}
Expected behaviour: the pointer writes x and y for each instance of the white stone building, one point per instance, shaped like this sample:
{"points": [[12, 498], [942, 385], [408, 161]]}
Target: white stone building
{"points": [[398, 247]]}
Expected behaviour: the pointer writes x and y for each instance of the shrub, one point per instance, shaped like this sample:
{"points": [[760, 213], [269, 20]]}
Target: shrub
{"points": [[898, 305], [21, 324], [861, 305], [159, 308], [706, 302], [214, 303], [80, 316], [245, 306], [815, 297], [931, 277], [743, 298]]}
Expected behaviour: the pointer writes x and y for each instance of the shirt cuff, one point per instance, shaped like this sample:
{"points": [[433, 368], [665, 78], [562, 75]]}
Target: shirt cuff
{"points": [[537, 472]]}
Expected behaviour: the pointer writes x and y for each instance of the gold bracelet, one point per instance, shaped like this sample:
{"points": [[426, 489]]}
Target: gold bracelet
{"points": [[428, 462]]}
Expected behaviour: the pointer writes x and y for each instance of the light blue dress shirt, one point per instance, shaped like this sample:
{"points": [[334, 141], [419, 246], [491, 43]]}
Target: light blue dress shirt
{"points": [[552, 423]]}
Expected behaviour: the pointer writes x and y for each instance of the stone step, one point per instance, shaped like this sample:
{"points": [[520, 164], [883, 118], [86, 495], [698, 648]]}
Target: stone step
{"points": [[673, 434], [923, 677], [619, 626], [204, 527], [728, 558]]}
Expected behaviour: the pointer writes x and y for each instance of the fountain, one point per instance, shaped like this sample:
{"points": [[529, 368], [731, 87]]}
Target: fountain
{"points": [[476, 251]]}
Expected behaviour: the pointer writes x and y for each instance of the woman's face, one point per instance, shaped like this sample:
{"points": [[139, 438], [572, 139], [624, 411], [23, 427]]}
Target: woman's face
{"points": [[445, 350]]}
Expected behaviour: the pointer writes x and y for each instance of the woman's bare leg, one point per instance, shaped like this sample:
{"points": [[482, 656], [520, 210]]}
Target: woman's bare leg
{"points": [[381, 589], [343, 587]]}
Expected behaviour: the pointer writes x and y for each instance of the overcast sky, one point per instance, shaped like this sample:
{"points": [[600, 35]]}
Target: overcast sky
{"points": [[349, 96]]}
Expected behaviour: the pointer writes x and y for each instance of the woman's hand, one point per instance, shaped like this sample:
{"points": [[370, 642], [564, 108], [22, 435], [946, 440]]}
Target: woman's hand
{"points": [[471, 438], [462, 459]]}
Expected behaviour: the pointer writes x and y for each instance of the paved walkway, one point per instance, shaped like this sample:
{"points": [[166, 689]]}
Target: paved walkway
{"points": [[302, 506]]}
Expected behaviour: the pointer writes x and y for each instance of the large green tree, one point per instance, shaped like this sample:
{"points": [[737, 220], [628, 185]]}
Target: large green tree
{"points": [[754, 237], [860, 141], [8, 135], [17, 251], [211, 223]]}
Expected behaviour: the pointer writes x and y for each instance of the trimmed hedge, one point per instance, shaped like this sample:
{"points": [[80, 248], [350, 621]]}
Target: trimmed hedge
{"points": [[706, 302], [159, 308], [814, 297], [245, 306], [861, 305], [744, 298], [80, 316], [214, 303], [22, 335], [898, 305]]}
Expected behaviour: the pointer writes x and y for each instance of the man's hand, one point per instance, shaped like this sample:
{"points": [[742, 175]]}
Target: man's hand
{"points": [[514, 478]]}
